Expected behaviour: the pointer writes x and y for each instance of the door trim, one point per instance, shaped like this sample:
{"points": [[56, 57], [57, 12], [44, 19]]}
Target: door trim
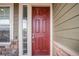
{"points": [[29, 31], [51, 29]]}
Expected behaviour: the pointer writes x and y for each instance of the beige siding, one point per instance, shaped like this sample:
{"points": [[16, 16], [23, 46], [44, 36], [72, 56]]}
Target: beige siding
{"points": [[66, 26], [57, 10]]}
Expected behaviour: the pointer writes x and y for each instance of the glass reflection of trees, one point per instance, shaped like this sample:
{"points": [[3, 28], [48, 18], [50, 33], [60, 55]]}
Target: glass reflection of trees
{"points": [[4, 36], [4, 24]]}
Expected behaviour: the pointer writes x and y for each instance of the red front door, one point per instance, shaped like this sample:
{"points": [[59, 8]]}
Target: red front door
{"points": [[40, 30]]}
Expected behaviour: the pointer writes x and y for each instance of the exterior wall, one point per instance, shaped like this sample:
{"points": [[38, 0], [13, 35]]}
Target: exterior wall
{"points": [[12, 49], [66, 29]]}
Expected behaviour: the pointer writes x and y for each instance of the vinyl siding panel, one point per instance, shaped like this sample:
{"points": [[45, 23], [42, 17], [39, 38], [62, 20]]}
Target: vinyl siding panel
{"points": [[59, 9], [72, 23], [72, 33], [66, 8], [73, 12], [69, 43], [66, 27]]}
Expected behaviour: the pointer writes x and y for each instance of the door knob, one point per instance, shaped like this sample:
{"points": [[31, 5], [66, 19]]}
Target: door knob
{"points": [[32, 35]]}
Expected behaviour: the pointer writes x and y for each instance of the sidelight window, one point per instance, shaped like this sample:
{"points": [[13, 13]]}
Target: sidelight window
{"points": [[24, 29]]}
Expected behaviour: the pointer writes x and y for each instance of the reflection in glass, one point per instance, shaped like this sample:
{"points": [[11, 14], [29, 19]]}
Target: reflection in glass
{"points": [[24, 30], [4, 24]]}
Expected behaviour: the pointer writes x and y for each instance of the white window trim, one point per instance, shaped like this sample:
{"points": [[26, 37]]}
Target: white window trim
{"points": [[29, 31], [11, 23]]}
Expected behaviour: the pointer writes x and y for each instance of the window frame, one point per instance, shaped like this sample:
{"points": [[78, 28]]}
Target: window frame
{"points": [[28, 27], [10, 5]]}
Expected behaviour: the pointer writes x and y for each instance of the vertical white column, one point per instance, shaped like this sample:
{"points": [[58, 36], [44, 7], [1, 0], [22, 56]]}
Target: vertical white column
{"points": [[20, 29], [29, 31], [51, 30]]}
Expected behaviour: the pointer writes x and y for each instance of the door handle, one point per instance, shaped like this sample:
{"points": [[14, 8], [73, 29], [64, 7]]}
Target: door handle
{"points": [[33, 35]]}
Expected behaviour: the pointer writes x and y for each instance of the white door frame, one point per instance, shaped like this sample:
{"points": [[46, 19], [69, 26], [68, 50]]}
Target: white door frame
{"points": [[29, 31]]}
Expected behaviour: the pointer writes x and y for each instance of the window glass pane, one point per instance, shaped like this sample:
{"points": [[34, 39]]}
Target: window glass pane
{"points": [[24, 30], [24, 12], [4, 24], [4, 12]]}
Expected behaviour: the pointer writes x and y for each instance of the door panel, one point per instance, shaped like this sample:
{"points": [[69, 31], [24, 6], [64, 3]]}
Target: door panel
{"points": [[40, 31]]}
